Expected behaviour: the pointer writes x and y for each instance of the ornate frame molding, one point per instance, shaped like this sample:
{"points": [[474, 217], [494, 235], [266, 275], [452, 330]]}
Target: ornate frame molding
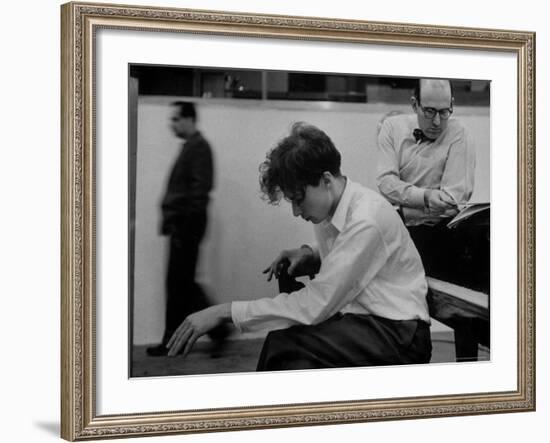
{"points": [[79, 23]]}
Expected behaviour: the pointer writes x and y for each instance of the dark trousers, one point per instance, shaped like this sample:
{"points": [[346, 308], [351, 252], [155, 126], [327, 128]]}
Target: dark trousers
{"points": [[183, 294], [347, 340]]}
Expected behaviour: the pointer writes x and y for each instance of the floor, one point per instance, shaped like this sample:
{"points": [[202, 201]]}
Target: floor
{"points": [[241, 355]]}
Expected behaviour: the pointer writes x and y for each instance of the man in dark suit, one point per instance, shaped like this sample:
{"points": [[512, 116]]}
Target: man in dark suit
{"points": [[184, 220]]}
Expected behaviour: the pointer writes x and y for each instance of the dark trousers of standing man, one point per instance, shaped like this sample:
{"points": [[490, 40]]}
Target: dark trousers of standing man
{"points": [[184, 295]]}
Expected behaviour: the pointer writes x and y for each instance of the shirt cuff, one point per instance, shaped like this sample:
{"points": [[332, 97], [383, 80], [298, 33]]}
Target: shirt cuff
{"points": [[238, 314], [417, 197]]}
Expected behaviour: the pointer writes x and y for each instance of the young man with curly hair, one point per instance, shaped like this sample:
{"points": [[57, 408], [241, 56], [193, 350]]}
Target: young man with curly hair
{"points": [[366, 304]]}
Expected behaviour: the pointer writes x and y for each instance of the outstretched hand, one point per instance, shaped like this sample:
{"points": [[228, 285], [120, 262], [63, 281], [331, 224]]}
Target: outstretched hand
{"points": [[196, 325]]}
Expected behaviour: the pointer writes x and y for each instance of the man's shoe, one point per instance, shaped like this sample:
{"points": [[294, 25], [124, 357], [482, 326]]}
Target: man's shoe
{"points": [[157, 351]]}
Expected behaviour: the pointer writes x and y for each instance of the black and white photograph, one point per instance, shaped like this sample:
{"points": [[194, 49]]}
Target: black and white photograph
{"points": [[273, 220], [287, 220]]}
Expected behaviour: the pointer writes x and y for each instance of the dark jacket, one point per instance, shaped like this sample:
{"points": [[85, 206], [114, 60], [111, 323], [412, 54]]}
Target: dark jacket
{"points": [[191, 180]]}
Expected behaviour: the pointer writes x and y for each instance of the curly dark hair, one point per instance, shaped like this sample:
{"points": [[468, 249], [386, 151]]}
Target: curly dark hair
{"points": [[298, 160]]}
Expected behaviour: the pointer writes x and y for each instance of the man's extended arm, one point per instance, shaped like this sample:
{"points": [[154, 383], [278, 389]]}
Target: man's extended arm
{"points": [[196, 325], [357, 255], [342, 276]]}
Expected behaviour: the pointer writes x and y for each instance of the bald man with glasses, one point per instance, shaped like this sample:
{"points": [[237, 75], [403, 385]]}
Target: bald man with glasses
{"points": [[426, 168]]}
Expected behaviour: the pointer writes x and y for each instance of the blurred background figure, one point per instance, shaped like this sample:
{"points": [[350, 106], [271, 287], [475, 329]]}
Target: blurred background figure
{"points": [[184, 221]]}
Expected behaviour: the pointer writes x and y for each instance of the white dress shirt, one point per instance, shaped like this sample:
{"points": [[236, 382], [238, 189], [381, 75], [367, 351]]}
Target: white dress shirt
{"points": [[369, 265], [407, 168]]}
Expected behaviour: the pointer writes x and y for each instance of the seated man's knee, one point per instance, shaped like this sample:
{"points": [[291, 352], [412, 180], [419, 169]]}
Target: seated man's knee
{"points": [[280, 352], [273, 347]]}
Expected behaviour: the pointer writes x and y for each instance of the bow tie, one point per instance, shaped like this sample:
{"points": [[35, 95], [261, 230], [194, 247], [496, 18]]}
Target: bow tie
{"points": [[419, 136]]}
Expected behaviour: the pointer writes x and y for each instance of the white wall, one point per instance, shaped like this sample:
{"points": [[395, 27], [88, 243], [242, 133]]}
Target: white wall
{"points": [[29, 226], [244, 232]]}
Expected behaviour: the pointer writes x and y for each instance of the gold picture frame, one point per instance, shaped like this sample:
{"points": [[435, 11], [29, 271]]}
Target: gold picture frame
{"points": [[80, 21]]}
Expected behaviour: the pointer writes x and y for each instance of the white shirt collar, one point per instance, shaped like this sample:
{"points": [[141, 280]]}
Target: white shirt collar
{"points": [[338, 220]]}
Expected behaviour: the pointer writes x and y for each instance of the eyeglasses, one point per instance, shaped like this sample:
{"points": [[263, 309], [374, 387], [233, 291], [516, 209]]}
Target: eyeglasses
{"points": [[430, 113]]}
